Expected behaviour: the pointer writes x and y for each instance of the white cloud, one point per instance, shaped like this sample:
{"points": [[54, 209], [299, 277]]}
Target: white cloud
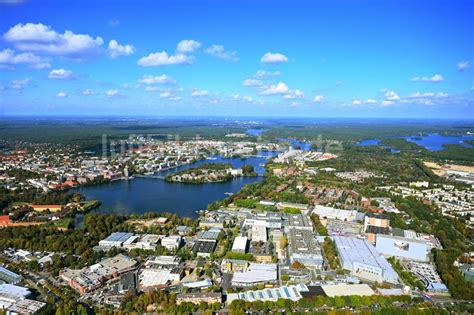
{"points": [[463, 65], [428, 94], [62, 94], [9, 57], [42, 38], [434, 78], [116, 50], [199, 93], [387, 103], [356, 102], [291, 94], [391, 96], [187, 46], [294, 104], [88, 92], [370, 101], [263, 73], [162, 79], [114, 23], [252, 82], [163, 59], [247, 98], [318, 98], [152, 88], [60, 74], [112, 93], [279, 88], [273, 58], [166, 94], [19, 84], [219, 51]]}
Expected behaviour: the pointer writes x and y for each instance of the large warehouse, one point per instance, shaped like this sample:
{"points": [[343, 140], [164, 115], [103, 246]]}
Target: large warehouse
{"points": [[362, 259], [255, 274], [402, 247]]}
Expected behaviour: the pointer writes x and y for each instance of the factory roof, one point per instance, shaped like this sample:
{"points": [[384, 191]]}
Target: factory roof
{"points": [[256, 273], [293, 292], [14, 290], [119, 237], [211, 234], [154, 277], [343, 289], [240, 243], [353, 250], [204, 246]]}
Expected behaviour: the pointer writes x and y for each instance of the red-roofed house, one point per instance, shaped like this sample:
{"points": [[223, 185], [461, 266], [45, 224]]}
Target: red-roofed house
{"points": [[4, 220]]}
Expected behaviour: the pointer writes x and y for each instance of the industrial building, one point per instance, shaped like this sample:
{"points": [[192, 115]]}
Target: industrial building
{"points": [[172, 242], [376, 223], [92, 277], [344, 289], [204, 248], [240, 244], [17, 291], [162, 261], [363, 261], [116, 239], [293, 292], [259, 233], [129, 241], [12, 304], [269, 221], [255, 274], [153, 278], [7, 276], [305, 249], [402, 247], [299, 222], [211, 234], [333, 213]]}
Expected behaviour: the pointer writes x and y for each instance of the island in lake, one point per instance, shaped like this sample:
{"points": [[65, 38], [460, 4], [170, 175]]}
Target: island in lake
{"points": [[210, 173]]}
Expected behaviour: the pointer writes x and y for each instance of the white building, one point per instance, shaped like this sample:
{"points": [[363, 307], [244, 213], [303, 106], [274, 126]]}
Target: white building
{"points": [[362, 259], [259, 233], [339, 214], [240, 244], [172, 242], [116, 239], [402, 247], [255, 274]]}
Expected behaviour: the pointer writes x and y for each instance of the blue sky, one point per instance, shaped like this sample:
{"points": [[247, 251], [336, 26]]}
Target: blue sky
{"points": [[237, 58]]}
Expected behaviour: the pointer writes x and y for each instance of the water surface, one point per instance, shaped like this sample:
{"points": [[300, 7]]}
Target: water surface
{"points": [[140, 195]]}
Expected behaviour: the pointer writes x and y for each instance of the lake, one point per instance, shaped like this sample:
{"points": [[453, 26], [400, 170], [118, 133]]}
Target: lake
{"points": [[435, 142], [255, 132], [431, 142], [375, 142], [140, 195]]}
